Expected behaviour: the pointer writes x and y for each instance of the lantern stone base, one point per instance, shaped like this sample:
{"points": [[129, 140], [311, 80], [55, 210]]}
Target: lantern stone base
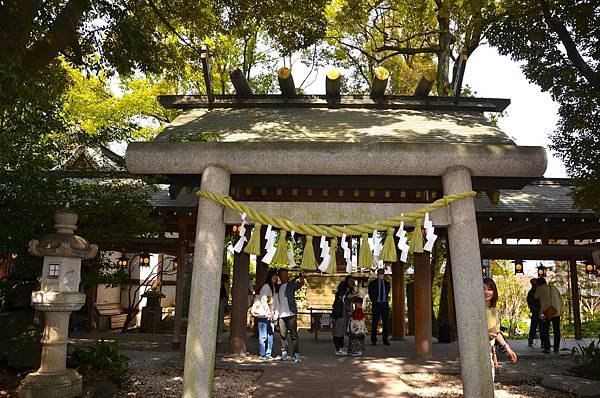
{"points": [[65, 384]]}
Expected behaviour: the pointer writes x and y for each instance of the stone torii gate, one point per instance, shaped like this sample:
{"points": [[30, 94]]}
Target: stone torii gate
{"points": [[441, 141]]}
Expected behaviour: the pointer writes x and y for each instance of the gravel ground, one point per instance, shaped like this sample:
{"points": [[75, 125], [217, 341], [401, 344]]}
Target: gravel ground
{"points": [[514, 381], [160, 375]]}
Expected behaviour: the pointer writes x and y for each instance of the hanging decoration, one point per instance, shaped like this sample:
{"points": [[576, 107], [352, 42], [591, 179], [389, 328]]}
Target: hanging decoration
{"points": [[347, 254], [281, 254], [290, 252], [402, 245], [270, 245], [240, 243], [429, 234]]}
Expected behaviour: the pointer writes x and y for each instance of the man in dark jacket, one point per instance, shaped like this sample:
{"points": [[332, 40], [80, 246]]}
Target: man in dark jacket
{"points": [[379, 291], [534, 308]]}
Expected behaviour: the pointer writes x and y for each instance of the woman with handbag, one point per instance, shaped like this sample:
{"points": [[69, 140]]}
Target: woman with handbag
{"points": [[550, 312], [490, 294], [264, 309]]}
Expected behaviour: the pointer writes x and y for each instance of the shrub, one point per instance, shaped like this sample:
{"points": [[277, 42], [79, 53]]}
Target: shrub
{"points": [[104, 359], [588, 356]]}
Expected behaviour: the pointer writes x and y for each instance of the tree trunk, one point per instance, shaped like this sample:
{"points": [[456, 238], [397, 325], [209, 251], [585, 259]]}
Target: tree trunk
{"points": [[445, 39]]}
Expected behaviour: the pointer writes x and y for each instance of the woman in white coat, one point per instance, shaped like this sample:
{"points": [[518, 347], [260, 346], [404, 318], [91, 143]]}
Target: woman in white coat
{"points": [[265, 312]]}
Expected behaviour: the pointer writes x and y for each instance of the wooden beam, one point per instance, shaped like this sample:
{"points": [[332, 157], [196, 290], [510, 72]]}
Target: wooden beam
{"points": [[286, 82], [346, 101], [423, 87], [333, 85], [379, 83], [537, 252], [240, 83], [206, 72]]}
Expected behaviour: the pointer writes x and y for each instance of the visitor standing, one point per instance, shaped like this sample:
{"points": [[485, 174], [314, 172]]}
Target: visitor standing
{"points": [[490, 294], [288, 324], [534, 308], [340, 317], [550, 312], [356, 340], [379, 291], [264, 310]]}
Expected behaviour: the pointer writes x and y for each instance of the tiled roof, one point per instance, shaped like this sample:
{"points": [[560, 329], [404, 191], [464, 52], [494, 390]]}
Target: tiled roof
{"points": [[334, 125], [539, 197]]}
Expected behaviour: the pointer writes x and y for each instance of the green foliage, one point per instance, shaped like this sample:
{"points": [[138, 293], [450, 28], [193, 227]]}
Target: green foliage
{"points": [[559, 45], [512, 298], [104, 359], [411, 38], [588, 356]]}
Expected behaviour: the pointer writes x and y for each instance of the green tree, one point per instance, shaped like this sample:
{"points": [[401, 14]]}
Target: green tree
{"points": [[558, 42], [410, 37], [512, 298]]}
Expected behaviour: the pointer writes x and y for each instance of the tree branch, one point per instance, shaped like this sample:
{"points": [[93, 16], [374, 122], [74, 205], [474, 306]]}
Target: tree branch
{"points": [[408, 51], [22, 14], [58, 37], [572, 52]]}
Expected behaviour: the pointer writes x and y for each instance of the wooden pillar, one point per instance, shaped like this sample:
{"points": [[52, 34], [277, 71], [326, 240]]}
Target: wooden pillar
{"points": [[181, 260], [422, 292], [398, 301], [575, 298], [239, 303]]}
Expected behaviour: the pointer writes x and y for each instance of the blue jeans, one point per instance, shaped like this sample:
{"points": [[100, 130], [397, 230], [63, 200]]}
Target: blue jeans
{"points": [[266, 329]]}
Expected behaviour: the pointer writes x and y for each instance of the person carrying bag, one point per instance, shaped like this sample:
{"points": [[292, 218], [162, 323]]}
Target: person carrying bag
{"points": [[551, 308]]}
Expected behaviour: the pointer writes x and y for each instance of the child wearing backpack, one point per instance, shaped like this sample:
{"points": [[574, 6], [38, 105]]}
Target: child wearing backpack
{"points": [[339, 315], [357, 329]]}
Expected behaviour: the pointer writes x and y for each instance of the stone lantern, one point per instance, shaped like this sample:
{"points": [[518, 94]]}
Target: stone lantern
{"points": [[58, 297]]}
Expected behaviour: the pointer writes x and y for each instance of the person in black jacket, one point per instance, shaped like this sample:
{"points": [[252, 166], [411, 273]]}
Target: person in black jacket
{"points": [[534, 308], [379, 291], [340, 316]]}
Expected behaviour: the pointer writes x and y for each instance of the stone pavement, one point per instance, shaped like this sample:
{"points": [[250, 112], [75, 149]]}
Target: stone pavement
{"points": [[323, 374]]}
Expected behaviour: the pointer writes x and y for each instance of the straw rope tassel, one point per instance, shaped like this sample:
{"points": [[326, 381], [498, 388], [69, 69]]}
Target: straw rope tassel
{"points": [[335, 230], [281, 255], [332, 266], [416, 241], [253, 246], [365, 256], [309, 262], [388, 252]]}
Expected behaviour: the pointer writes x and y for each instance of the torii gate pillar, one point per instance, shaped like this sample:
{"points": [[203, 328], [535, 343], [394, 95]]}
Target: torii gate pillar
{"points": [[474, 349], [200, 344]]}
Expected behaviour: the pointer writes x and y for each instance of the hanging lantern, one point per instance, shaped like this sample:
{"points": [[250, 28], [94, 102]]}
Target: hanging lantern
{"points": [[590, 269], [175, 263], [542, 271], [483, 270], [122, 261], [236, 229], [144, 259], [518, 266], [13, 256]]}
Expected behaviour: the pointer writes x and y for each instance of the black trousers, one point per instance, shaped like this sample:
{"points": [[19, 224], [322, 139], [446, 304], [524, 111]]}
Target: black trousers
{"points": [[545, 333], [535, 324], [338, 342], [288, 326], [380, 310]]}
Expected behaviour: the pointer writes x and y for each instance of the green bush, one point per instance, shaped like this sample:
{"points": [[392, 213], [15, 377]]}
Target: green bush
{"points": [[104, 359], [588, 356]]}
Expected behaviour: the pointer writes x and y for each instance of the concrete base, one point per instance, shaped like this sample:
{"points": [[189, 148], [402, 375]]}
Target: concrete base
{"points": [[65, 384]]}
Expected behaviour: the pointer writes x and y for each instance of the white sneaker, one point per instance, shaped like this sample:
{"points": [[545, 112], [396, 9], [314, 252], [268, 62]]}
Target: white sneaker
{"points": [[341, 351]]}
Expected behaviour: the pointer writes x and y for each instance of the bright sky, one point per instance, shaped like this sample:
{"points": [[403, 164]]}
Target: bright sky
{"points": [[531, 116]]}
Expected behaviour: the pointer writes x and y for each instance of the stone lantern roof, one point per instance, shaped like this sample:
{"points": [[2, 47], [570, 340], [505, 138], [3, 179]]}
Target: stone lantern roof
{"points": [[63, 243]]}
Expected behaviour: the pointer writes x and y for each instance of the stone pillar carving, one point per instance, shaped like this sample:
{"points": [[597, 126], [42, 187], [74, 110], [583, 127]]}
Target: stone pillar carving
{"points": [[463, 239], [200, 346], [58, 297]]}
